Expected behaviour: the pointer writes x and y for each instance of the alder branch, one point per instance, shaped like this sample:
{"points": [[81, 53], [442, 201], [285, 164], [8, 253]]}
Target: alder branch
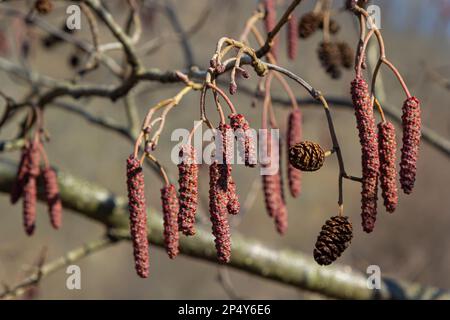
{"points": [[281, 265]]}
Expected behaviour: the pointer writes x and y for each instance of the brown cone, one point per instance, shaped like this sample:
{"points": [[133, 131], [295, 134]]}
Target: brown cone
{"points": [[306, 156], [334, 238]]}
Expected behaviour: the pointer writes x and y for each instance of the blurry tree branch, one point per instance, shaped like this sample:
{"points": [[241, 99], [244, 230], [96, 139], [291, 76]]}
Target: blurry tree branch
{"points": [[281, 265], [49, 268]]}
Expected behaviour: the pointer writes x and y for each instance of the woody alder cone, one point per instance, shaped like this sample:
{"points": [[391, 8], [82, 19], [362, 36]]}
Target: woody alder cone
{"points": [[308, 24], [330, 58], [347, 56], [188, 190], [306, 156], [332, 241], [365, 121], [138, 216], [388, 170], [411, 123], [294, 135], [52, 197], [170, 210]]}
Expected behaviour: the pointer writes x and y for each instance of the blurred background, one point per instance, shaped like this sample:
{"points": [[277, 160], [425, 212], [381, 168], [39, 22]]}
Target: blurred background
{"points": [[411, 244]]}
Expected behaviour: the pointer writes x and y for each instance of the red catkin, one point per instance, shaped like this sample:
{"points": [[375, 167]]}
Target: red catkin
{"points": [[292, 37], [270, 21], [22, 170], [411, 123], [245, 139], [30, 188], [29, 205], [170, 208], [388, 172], [294, 135], [369, 148], [52, 196], [273, 192], [233, 204], [138, 216], [188, 190], [218, 201]]}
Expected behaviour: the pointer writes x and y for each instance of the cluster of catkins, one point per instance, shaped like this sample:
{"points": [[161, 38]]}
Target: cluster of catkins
{"points": [[179, 211], [333, 55], [25, 187], [378, 152]]}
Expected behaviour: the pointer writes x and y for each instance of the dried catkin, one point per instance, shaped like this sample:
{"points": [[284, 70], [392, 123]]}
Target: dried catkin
{"points": [[306, 156], [52, 196], [294, 135], [170, 208], [43, 6], [188, 190], [292, 37], [138, 215], [245, 139], [218, 201], [388, 171], [29, 204], [22, 171], [369, 151], [309, 23], [411, 123], [330, 58], [334, 238]]}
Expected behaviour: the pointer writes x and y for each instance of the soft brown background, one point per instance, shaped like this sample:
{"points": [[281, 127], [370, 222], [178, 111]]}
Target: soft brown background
{"points": [[410, 244]]}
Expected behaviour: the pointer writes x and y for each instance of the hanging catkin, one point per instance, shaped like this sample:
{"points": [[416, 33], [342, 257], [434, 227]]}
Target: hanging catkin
{"points": [[272, 186], [52, 196], [270, 21], [188, 190], [294, 135], [369, 148], [30, 187], [245, 139], [411, 123], [170, 208], [388, 171], [292, 37], [218, 200], [22, 172], [138, 216]]}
